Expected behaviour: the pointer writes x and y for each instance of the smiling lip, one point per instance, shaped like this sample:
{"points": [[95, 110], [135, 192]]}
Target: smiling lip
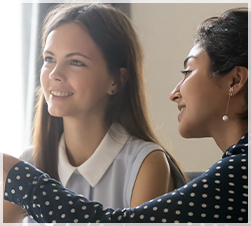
{"points": [[181, 108], [61, 93], [56, 95]]}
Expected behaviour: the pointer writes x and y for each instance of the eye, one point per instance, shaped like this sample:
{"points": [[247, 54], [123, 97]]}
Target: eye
{"points": [[186, 72], [77, 63], [49, 60]]}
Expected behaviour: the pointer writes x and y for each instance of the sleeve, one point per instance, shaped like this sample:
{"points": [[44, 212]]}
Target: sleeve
{"points": [[205, 199]]}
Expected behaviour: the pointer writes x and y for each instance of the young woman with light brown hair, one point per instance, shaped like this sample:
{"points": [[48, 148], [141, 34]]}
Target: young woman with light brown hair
{"points": [[91, 129]]}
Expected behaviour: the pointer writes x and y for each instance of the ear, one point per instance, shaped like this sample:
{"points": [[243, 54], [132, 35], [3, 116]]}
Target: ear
{"points": [[237, 79], [123, 76], [119, 82]]}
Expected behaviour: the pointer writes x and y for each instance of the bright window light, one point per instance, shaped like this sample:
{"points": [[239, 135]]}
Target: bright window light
{"points": [[11, 93]]}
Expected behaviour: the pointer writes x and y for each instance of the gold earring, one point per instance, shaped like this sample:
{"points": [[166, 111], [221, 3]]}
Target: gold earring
{"points": [[225, 117]]}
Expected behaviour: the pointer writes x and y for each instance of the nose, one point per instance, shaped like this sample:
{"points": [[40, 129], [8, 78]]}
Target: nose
{"points": [[175, 94], [57, 74]]}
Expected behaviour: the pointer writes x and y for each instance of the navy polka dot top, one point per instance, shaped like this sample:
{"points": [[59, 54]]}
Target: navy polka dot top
{"points": [[218, 195]]}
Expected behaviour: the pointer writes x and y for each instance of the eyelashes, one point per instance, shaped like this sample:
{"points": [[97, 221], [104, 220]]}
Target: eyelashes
{"points": [[48, 59], [76, 63], [186, 72]]}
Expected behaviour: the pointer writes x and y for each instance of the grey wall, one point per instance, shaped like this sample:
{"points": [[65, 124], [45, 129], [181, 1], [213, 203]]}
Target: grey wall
{"points": [[167, 31]]}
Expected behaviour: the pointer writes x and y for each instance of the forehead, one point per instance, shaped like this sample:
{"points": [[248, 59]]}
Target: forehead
{"points": [[70, 33], [197, 54], [71, 37], [196, 50]]}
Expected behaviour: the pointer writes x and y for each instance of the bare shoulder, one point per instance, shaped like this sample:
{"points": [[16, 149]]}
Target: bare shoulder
{"points": [[156, 168], [156, 156], [153, 178]]}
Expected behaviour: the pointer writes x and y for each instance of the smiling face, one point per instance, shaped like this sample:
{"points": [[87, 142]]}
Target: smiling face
{"points": [[201, 100], [74, 76]]}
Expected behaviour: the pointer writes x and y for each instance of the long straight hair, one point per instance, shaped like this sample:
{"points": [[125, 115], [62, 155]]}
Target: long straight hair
{"points": [[113, 32]]}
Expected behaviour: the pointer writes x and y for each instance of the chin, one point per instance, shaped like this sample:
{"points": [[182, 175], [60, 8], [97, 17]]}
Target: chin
{"points": [[188, 133], [55, 113], [185, 135], [183, 132]]}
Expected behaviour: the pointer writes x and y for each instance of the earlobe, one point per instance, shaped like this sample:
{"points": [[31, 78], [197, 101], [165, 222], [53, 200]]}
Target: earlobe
{"points": [[113, 88], [118, 83]]}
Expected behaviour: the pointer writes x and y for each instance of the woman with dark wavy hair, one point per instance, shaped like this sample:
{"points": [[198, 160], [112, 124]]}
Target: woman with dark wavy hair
{"points": [[212, 98]]}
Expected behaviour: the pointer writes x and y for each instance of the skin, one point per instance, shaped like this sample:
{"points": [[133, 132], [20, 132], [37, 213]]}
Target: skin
{"points": [[74, 65], [152, 179], [203, 101]]}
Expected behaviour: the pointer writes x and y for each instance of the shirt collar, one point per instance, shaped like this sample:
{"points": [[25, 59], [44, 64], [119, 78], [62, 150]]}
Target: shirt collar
{"points": [[65, 169], [95, 167]]}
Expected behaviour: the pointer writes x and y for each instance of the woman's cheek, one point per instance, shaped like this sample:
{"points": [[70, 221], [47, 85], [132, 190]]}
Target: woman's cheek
{"points": [[43, 76], [44, 80], [187, 86]]}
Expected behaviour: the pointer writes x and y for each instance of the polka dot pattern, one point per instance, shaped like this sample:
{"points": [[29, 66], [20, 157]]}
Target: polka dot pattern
{"points": [[218, 195]]}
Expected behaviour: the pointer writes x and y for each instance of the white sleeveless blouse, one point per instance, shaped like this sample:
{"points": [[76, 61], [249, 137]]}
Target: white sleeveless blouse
{"points": [[108, 176]]}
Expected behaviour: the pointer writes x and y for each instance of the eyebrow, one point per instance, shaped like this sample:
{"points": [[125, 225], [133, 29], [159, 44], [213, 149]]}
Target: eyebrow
{"points": [[70, 54], [185, 61]]}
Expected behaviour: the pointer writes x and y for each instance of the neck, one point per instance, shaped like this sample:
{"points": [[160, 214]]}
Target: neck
{"points": [[82, 137], [229, 133]]}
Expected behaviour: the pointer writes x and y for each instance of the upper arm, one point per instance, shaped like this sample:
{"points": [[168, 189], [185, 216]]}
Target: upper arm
{"points": [[12, 213], [153, 179]]}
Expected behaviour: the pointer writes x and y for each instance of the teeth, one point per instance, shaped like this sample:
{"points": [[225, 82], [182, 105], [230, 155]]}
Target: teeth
{"points": [[61, 94], [182, 108]]}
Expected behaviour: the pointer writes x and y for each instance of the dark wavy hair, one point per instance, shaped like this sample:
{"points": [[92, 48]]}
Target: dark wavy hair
{"points": [[225, 39]]}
